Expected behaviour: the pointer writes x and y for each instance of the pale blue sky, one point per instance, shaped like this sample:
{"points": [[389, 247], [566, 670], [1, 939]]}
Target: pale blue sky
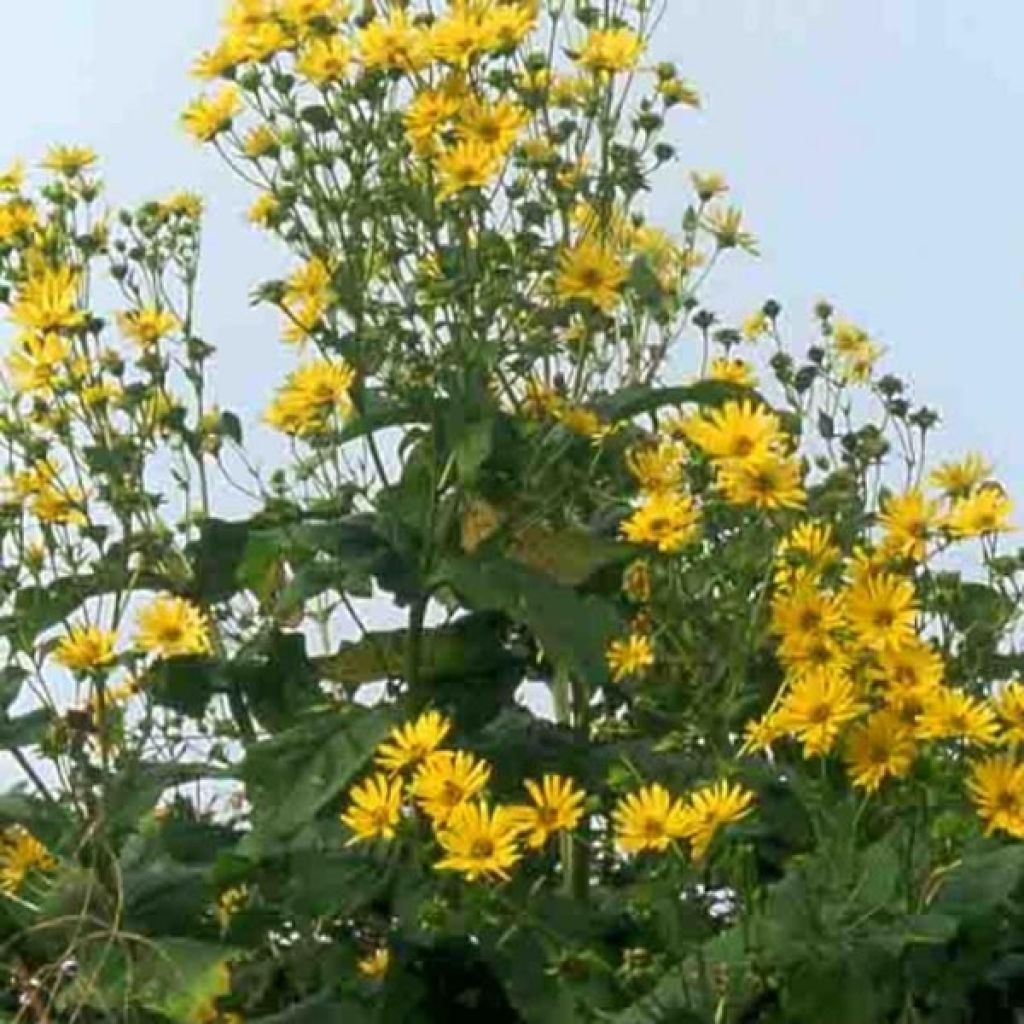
{"points": [[873, 143]]}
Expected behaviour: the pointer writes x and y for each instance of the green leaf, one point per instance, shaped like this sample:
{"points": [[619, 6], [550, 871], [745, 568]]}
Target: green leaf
{"points": [[633, 401], [293, 776], [277, 678], [572, 629], [25, 730], [983, 882], [570, 556], [215, 558], [134, 791]]}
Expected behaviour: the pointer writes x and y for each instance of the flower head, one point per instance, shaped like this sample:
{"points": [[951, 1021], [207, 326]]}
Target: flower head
{"points": [[878, 748], [649, 819], [467, 164], [712, 808], [479, 841], [611, 50], [590, 272], [765, 481], [171, 627], [816, 708], [629, 657], [447, 779], [206, 117], [374, 809], [984, 512], [20, 855], [86, 648], [556, 806], [147, 326], [737, 430], [667, 522], [996, 786], [411, 744], [882, 610]]}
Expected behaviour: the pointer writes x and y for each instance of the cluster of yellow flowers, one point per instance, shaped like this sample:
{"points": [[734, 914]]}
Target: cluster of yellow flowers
{"points": [[480, 839], [21, 854], [477, 838], [858, 667]]}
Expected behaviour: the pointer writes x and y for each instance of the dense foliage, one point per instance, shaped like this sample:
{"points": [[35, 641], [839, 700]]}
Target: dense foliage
{"points": [[590, 657]]}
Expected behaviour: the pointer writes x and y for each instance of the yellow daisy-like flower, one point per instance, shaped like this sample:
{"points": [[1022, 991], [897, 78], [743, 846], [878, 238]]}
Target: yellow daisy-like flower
{"points": [[427, 116], [467, 164], [629, 657], [657, 468], [816, 708], [954, 715], [299, 14], [171, 627], [393, 44], [447, 779], [36, 361], [611, 50], [12, 178], [914, 666], [909, 521], [590, 272], [649, 819], [762, 481], [557, 806], [958, 479], [667, 522], [732, 371], [262, 211], [69, 160], [48, 301], [375, 965], [507, 26], [996, 786], [410, 744], [20, 855], [85, 648], [879, 748], [459, 39], [206, 117], [737, 430], [495, 125], [882, 611], [804, 613], [259, 142], [712, 808], [480, 842], [1009, 706], [374, 809], [311, 397], [55, 503], [325, 60], [760, 733], [146, 327], [984, 512]]}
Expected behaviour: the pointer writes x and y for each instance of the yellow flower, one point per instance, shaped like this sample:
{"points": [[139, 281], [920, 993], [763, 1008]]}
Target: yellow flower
{"points": [[579, 420], [611, 50], [427, 116], [557, 806], [302, 13], [374, 809], [459, 39], [496, 125], [466, 165], [878, 748], [913, 666], [755, 326], [263, 210], [146, 327], [815, 709], [712, 808], [1009, 706], [708, 185], [85, 648], [17, 217], [665, 521], [737, 430], [909, 521], [954, 715], [325, 60], [958, 479], [592, 273], [410, 744], [984, 512], [507, 26], [48, 301], [206, 117], [807, 550], [882, 611], [732, 371], [848, 339], [219, 61], [678, 90], [764, 481], [996, 785], [393, 44], [629, 657], [649, 819], [657, 468], [34, 364], [262, 41], [56, 504], [311, 396], [447, 779], [69, 160], [171, 627], [480, 842], [260, 141], [12, 178], [375, 965], [727, 227], [20, 855], [760, 733], [804, 614]]}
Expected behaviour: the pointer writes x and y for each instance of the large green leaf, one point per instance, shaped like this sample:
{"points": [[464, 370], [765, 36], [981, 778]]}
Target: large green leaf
{"points": [[294, 775], [633, 401], [573, 630]]}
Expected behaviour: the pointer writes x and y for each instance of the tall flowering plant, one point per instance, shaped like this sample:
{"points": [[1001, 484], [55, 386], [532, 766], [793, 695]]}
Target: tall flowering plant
{"points": [[591, 656]]}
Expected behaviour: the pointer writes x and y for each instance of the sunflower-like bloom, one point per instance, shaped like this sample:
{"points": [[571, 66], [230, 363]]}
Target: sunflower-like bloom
{"points": [[591, 272], [556, 806], [410, 744], [738, 430], [171, 627], [447, 779], [650, 819], [667, 522], [147, 326], [20, 855], [712, 808], [206, 117], [762, 481], [996, 786], [910, 520], [816, 708], [85, 648], [611, 50], [984, 512], [480, 842], [374, 810], [48, 301], [629, 657], [954, 715], [879, 748], [882, 610]]}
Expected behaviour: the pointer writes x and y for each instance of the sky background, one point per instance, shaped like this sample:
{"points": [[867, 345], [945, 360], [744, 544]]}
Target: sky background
{"points": [[872, 143]]}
